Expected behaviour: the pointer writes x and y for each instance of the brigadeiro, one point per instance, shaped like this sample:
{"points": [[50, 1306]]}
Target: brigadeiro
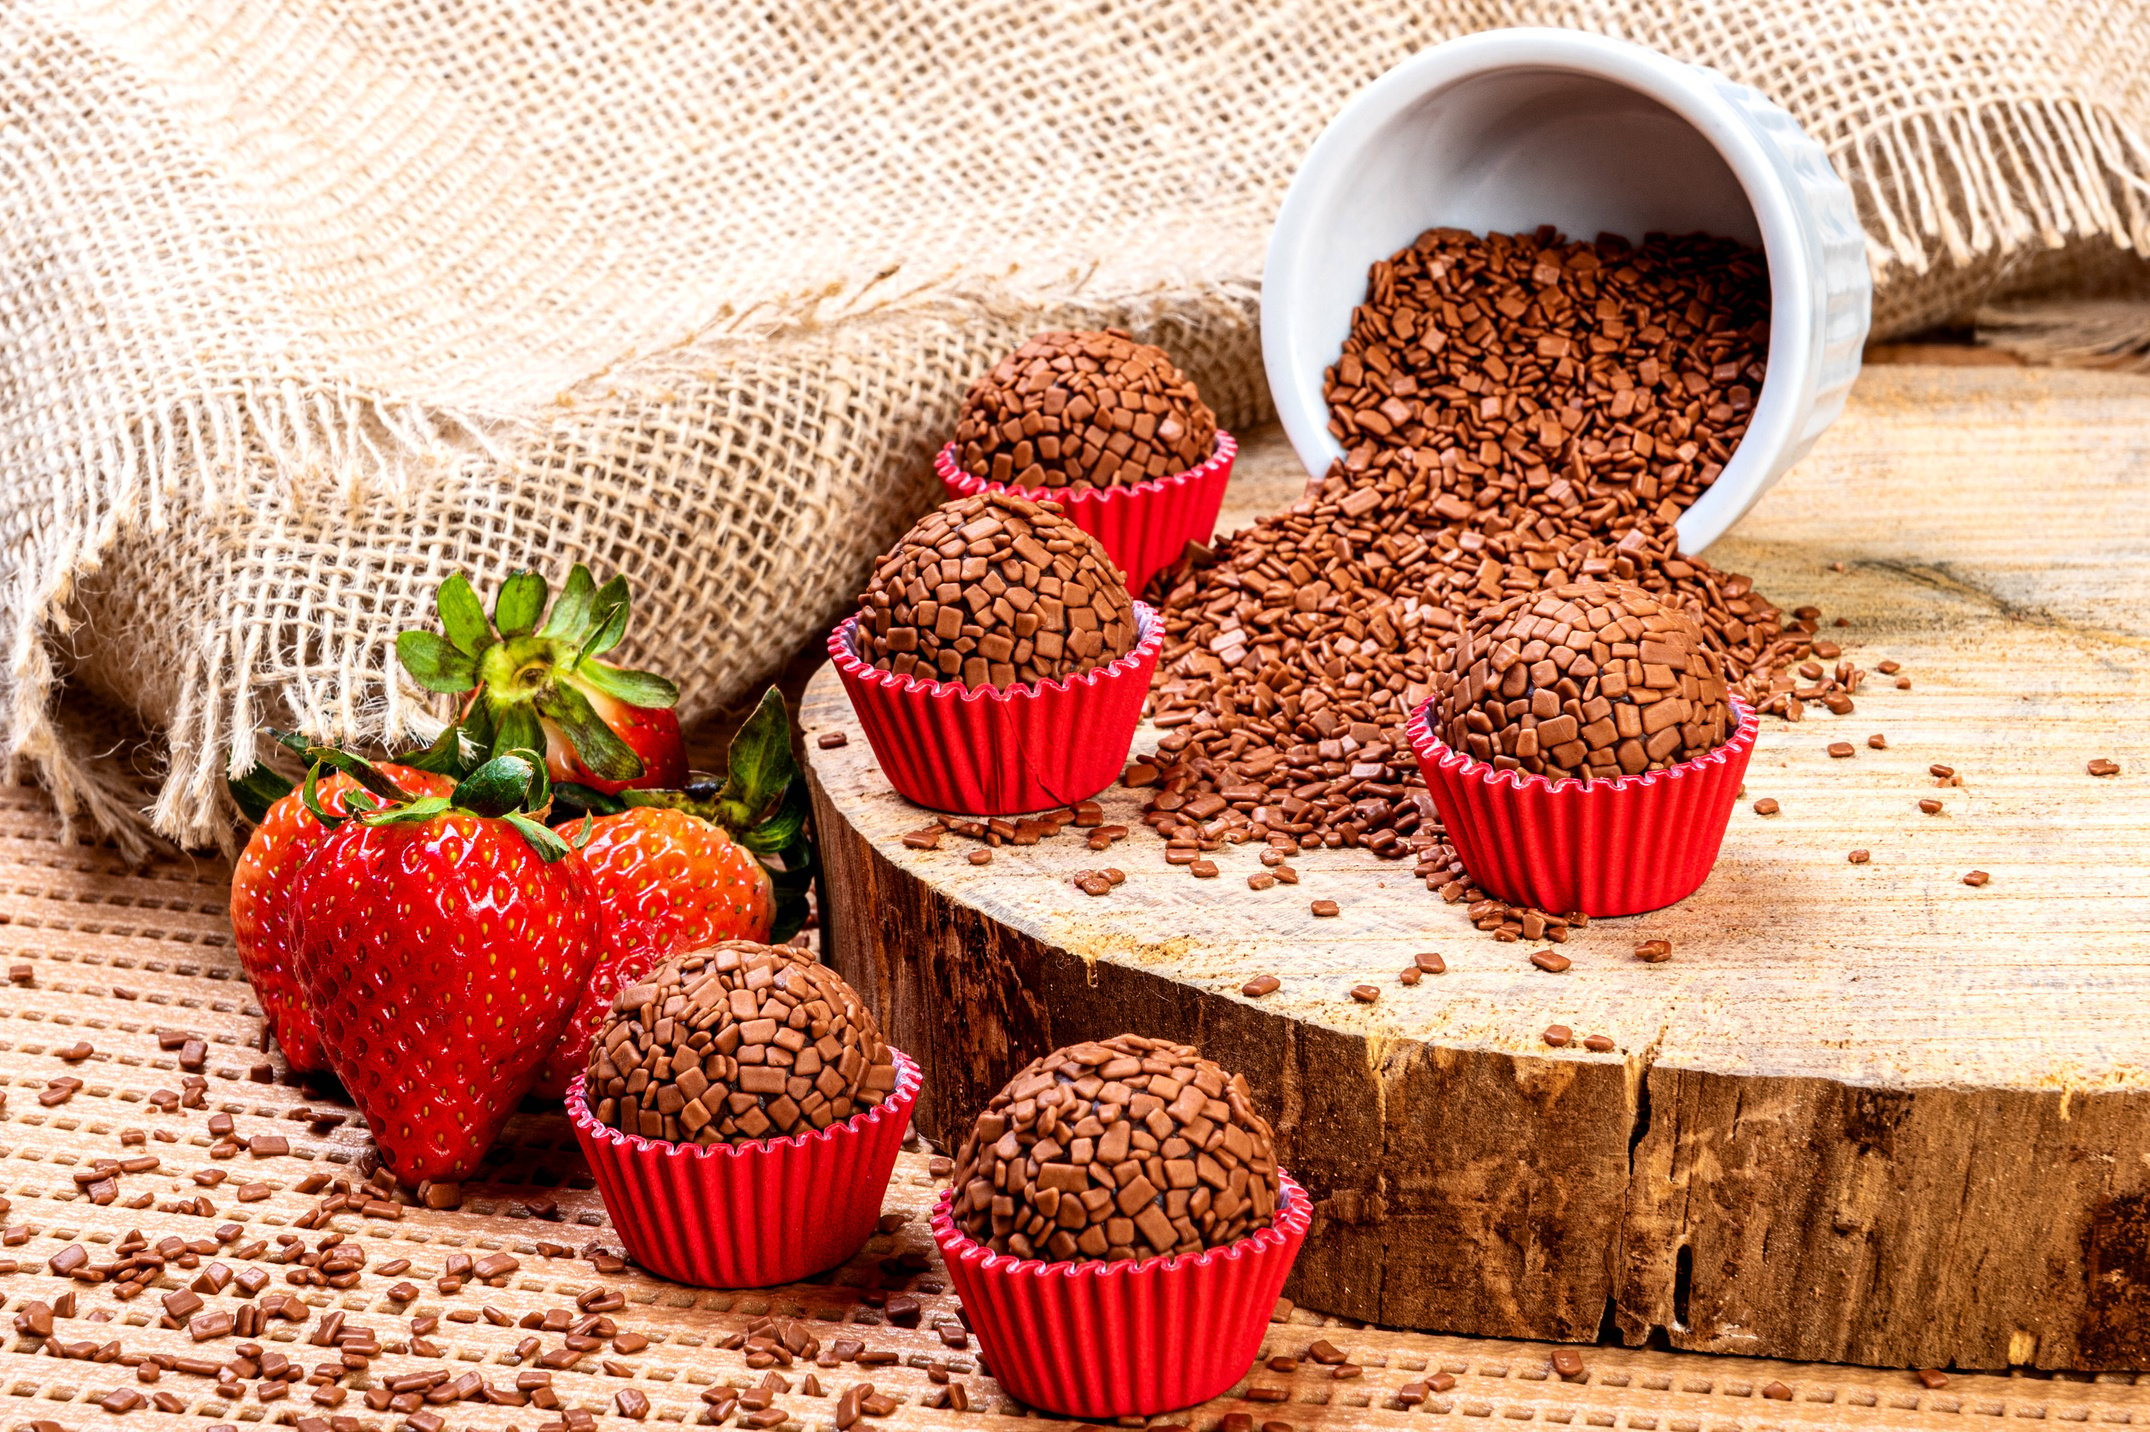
{"points": [[992, 590], [1118, 1228], [1111, 425], [1583, 750], [996, 662], [742, 1114], [1586, 679], [738, 1042], [1083, 410]]}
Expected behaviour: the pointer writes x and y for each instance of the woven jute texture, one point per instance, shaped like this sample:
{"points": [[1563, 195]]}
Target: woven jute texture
{"points": [[131, 959], [308, 304]]}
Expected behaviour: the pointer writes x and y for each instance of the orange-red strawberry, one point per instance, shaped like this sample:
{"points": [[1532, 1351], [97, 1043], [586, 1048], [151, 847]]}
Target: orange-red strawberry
{"points": [[262, 902], [443, 943], [666, 880], [681, 870], [527, 686]]}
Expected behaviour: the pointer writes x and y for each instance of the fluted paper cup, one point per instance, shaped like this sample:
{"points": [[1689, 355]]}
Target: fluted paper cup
{"points": [[1145, 526], [1122, 1339], [748, 1215], [991, 750], [1602, 847]]}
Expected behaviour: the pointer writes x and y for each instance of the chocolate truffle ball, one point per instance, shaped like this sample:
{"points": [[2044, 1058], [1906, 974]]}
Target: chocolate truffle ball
{"points": [[1083, 410], [1126, 1148], [1583, 680], [993, 590], [737, 1042]]}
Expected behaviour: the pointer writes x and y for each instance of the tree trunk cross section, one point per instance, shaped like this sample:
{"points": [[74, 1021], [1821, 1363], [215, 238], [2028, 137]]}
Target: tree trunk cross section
{"points": [[1866, 1113]]}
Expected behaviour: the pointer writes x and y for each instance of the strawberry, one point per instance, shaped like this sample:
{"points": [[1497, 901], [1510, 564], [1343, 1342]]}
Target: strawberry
{"points": [[444, 941], [262, 907], [681, 870], [528, 686]]}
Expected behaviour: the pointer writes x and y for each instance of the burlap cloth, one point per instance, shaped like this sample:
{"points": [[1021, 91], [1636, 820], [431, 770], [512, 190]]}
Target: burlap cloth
{"points": [[305, 305]]}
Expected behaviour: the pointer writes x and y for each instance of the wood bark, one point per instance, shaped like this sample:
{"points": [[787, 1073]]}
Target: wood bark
{"points": [[1867, 1113]]}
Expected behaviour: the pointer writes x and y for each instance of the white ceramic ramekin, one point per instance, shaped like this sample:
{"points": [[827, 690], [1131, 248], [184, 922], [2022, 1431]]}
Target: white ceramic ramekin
{"points": [[1503, 131]]}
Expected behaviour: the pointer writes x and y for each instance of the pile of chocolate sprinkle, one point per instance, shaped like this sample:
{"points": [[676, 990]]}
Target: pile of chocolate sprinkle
{"points": [[1518, 412]]}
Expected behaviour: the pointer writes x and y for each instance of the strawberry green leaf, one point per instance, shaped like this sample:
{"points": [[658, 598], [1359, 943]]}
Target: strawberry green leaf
{"points": [[453, 753], [546, 842], [520, 602], [517, 729], [759, 765], [504, 785], [636, 688], [570, 618], [607, 756], [434, 664], [462, 615], [418, 811], [569, 797], [310, 793], [608, 619], [780, 830], [257, 790], [359, 769]]}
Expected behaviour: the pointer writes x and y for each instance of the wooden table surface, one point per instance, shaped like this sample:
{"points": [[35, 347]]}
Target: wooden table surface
{"points": [[117, 954], [1866, 1113]]}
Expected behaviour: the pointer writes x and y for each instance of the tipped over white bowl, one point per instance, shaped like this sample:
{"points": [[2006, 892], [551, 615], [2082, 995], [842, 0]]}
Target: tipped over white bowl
{"points": [[1504, 131]]}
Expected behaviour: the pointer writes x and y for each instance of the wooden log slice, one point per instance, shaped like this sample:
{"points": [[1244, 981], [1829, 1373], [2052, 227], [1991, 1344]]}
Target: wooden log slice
{"points": [[1866, 1113]]}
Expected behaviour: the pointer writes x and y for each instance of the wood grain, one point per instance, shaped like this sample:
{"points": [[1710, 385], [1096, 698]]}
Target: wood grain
{"points": [[1866, 1113]]}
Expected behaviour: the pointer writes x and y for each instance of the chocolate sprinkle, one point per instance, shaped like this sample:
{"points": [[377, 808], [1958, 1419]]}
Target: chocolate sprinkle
{"points": [[1584, 679], [1082, 411], [1124, 1148], [737, 1042], [994, 590]]}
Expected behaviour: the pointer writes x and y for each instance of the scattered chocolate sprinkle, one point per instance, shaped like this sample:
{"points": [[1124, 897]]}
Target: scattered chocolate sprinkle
{"points": [[1550, 961], [830, 740], [1859, 857], [1261, 985], [1558, 1035], [1654, 952], [1976, 878], [2104, 767], [1767, 805]]}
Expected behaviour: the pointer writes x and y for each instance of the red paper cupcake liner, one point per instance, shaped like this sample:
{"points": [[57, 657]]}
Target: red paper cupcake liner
{"points": [[1122, 1339], [1602, 847], [748, 1215], [1144, 527], [989, 750]]}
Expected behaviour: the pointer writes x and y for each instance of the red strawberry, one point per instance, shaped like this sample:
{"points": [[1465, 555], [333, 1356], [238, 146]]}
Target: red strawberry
{"points": [[666, 880], [262, 907], [676, 871], [542, 687], [444, 942]]}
